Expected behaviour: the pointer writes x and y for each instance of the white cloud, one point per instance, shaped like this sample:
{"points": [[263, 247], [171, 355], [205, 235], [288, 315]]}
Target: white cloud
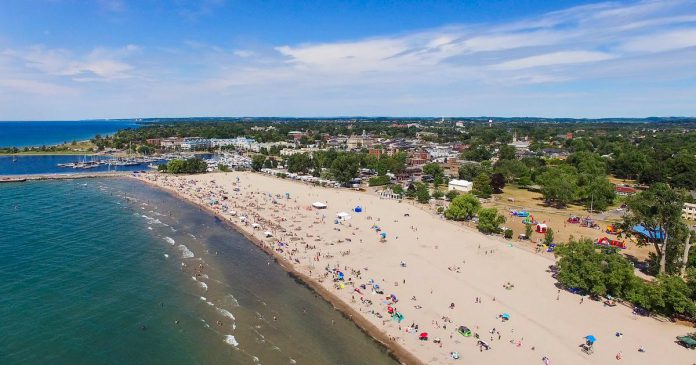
{"points": [[662, 42], [35, 87], [554, 59], [100, 64]]}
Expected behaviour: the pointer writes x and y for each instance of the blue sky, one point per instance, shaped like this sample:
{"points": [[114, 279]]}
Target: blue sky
{"points": [[82, 59]]}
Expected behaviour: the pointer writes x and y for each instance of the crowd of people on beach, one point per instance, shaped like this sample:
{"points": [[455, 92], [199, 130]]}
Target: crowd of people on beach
{"points": [[313, 244]]}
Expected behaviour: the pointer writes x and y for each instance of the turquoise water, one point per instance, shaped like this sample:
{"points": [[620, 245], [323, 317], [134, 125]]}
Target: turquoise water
{"points": [[104, 271], [38, 133]]}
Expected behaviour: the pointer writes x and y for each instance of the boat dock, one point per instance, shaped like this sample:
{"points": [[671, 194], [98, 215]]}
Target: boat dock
{"points": [[86, 175]]}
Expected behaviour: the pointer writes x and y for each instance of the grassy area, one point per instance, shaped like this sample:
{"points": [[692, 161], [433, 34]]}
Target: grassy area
{"points": [[516, 198], [79, 148]]}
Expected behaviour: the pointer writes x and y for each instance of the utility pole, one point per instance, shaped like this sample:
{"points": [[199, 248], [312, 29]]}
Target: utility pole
{"points": [[591, 202]]}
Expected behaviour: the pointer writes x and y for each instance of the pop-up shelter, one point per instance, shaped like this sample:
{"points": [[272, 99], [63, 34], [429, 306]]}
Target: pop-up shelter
{"points": [[319, 205], [541, 228]]}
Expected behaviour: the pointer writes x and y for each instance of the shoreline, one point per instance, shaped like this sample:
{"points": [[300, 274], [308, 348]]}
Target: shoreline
{"points": [[548, 321], [67, 176], [393, 349]]}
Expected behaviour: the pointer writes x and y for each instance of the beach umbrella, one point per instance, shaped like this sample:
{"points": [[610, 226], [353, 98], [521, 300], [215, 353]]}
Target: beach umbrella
{"points": [[383, 234], [506, 316], [590, 338]]}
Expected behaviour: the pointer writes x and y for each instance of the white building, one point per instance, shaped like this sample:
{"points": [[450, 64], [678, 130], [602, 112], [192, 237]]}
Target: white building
{"points": [[460, 185], [689, 211], [195, 143], [171, 142]]}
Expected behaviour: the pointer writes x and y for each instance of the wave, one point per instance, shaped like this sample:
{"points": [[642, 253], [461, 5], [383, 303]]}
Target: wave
{"points": [[203, 285], [230, 340], [226, 313], [170, 240], [166, 256], [231, 300], [185, 252]]}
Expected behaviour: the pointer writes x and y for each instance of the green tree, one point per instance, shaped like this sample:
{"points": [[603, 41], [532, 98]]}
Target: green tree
{"points": [[190, 166], [345, 168], [450, 195], [528, 231], [676, 295], [468, 171], [379, 180], [559, 185], [462, 207], [482, 185], [145, 150], [513, 171], [422, 193], [433, 169], [299, 163], [506, 152], [682, 169], [596, 192], [497, 183], [397, 189], [477, 153], [489, 220], [548, 236], [257, 162], [659, 210]]}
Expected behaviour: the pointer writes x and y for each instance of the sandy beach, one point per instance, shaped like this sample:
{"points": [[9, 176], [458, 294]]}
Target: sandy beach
{"points": [[438, 275]]}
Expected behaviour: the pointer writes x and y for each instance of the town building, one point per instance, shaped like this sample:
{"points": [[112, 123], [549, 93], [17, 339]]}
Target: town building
{"points": [[375, 152], [195, 143], [417, 158], [170, 143], [689, 211], [624, 190], [460, 185], [359, 141]]}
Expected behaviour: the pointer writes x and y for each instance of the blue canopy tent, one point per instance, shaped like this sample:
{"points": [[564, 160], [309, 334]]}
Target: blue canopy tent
{"points": [[505, 316], [654, 234], [358, 209]]}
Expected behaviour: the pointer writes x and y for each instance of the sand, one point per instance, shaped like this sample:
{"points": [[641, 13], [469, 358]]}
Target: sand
{"points": [[444, 263]]}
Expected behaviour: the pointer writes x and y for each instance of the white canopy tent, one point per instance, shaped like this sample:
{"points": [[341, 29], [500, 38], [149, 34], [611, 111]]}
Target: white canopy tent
{"points": [[319, 205], [343, 215]]}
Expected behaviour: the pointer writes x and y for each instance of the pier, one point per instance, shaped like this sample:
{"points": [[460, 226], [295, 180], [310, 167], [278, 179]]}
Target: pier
{"points": [[85, 175]]}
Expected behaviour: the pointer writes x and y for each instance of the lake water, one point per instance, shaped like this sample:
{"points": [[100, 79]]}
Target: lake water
{"points": [[112, 271], [38, 133]]}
